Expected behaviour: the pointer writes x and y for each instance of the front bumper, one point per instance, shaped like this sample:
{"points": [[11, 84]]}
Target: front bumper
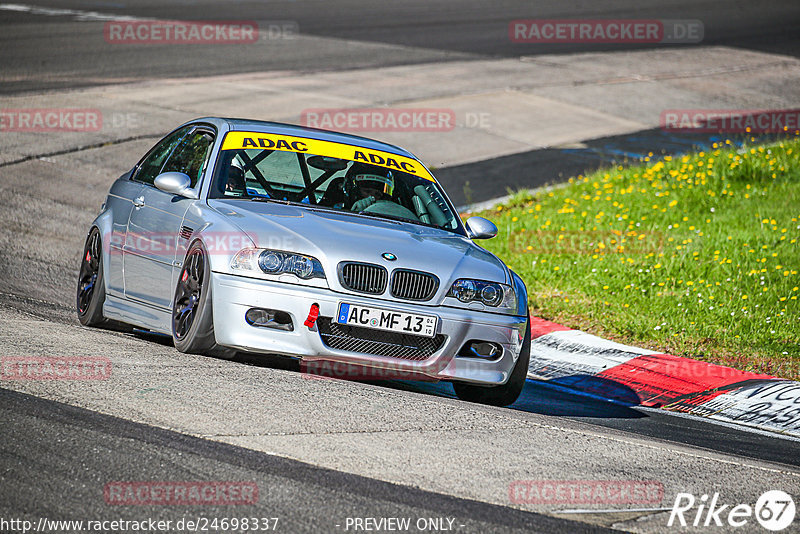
{"points": [[234, 295]]}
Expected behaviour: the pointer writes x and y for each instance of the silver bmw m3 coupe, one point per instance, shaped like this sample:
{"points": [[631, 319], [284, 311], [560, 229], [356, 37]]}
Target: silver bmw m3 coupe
{"points": [[236, 235]]}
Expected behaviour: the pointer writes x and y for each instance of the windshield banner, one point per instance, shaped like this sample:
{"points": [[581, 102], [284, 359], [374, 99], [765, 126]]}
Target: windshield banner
{"points": [[254, 140]]}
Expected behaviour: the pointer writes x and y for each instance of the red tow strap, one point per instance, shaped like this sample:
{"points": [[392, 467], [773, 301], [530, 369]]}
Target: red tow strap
{"points": [[313, 313]]}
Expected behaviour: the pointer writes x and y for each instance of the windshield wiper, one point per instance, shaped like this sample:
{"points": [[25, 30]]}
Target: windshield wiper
{"points": [[268, 199], [389, 217]]}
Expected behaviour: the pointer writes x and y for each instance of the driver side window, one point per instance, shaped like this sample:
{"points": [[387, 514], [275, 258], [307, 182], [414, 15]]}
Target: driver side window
{"points": [[191, 155], [152, 163]]}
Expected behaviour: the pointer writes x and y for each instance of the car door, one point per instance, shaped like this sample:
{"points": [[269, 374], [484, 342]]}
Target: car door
{"points": [[120, 204], [154, 229], [143, 176], [126, 191]]}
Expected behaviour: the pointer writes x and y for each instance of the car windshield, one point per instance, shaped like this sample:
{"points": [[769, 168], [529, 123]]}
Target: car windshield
{"points": [[333, 183]]}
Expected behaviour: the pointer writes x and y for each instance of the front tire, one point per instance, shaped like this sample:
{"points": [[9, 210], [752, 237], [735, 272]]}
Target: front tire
{"points": [[509, 392], [91, 286], [192, 310]]}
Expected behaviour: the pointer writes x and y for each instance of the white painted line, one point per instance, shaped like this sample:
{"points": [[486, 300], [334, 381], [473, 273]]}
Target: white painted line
{"points": [[771, 433], [82, 16], [612, 511], [721, 422]]}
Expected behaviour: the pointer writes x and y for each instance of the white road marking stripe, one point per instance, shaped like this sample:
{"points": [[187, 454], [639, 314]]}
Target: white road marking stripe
{"points": [[56, 12], [723, 423], [611, 511]]}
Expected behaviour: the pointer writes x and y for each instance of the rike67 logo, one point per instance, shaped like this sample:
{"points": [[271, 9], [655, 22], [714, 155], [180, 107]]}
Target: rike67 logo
{"points": [[774, 510]]}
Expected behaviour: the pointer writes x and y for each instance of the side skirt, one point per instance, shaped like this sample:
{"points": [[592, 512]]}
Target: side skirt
{"points": [[138, 314]]}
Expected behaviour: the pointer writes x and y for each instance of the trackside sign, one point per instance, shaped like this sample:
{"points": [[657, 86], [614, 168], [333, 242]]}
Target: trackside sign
{"points": [[254, 140]]}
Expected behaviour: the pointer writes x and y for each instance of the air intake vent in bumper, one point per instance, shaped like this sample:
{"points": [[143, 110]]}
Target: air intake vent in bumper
{"points": [[378, 342]]}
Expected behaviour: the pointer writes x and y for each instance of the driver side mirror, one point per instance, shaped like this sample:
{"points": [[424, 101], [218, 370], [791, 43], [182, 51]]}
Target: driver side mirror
{"points": [[480, 228], [175, 183]]}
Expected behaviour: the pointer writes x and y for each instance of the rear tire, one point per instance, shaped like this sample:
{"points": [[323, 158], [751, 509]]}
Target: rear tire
{"points": [[91, 286], [192, 310], [509, 392]]}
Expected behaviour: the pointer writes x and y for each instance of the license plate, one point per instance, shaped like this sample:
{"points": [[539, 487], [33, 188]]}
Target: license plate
{"points": [[392, 321]]}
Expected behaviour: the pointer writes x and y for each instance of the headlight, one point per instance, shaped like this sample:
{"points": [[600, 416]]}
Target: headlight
{"points": [[463, 290], [278, 262], [491, 294]]}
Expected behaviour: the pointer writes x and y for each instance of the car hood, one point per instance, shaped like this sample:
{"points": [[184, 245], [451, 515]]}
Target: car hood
{"points": [[333, 236]]}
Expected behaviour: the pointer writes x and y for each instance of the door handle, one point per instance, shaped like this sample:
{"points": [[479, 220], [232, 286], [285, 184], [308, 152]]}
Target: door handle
{"points": [[138, 202]]}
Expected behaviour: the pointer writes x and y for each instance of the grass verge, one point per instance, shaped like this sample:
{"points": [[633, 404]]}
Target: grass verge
{"points": [[694, 255]]}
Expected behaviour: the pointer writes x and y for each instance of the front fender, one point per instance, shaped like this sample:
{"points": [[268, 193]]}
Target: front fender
{"points": [[522, 293], [103, 223], [221, 237]]}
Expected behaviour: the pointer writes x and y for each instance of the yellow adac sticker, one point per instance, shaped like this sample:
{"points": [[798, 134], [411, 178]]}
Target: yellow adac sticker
{"points": [[253, 140]]}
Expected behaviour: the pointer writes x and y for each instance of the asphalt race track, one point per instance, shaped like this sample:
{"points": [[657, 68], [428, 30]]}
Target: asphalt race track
{"points": [[322, 451], [69, 56], [121, 448]]}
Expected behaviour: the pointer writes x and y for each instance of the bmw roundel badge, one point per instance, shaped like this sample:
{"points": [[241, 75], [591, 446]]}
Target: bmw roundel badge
{"points": [[389, 256]]}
